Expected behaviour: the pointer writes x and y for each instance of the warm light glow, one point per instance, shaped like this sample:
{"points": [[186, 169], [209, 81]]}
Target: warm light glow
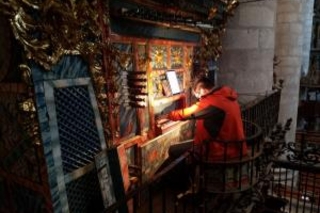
{"points": [[27, 106]]}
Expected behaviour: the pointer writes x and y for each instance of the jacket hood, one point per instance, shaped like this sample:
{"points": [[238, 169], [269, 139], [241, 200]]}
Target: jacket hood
{"points": [[226, 92]]}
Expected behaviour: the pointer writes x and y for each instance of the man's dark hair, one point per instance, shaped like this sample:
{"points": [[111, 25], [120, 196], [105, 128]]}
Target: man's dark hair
{"points": [[203, 82]]}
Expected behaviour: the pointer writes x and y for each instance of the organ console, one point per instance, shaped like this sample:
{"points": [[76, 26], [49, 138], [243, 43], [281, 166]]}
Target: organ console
{"points": [[156, 83], [162, 123]]}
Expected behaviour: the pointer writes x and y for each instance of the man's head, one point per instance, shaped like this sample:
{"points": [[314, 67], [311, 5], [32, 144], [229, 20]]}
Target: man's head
{"points": [[202, 87]]}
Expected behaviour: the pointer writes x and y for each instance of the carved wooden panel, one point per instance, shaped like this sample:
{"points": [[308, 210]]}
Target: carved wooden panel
{"points": [[155, 151], [159, 57], [177, 60]]}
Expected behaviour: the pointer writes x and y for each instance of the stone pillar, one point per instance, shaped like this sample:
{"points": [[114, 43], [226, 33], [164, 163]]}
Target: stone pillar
{"points": [[307, 35], [292, 33], [248, 49]]}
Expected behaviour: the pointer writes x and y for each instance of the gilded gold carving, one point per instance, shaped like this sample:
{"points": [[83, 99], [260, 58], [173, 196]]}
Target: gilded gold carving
{"points": [[212, 13], [159, 57], [189, 58], [26, 74], [143, 63], [231, 6], [176, 57], [49, 29], [125, 60], [211, 47], [27, 108], [143, 58]]}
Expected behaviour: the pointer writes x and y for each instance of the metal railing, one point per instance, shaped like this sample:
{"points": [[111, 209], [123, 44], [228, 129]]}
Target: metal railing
{"points": [[296, 176], [297, 185], [263, 111]]}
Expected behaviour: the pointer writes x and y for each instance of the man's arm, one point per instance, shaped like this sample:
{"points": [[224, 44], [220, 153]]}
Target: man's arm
{"points": [[184, 114]]}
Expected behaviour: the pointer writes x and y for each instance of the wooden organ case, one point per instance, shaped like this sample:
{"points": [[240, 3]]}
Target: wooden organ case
{"points": [[152, 79], [145, 95]]}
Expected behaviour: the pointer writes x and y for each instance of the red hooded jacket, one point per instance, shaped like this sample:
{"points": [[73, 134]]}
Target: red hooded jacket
{"points": [[218, 122]]}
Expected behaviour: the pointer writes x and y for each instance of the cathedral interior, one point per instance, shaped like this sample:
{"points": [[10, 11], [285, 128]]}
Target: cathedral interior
{"points": [[84, 86]]}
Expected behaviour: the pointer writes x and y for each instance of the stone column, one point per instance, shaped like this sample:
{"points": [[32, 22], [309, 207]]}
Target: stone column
{"points": [[292, 33], [248, 50], [307, 18]]}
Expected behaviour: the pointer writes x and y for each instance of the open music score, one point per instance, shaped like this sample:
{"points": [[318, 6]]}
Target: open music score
{"points": [[172, 78]]}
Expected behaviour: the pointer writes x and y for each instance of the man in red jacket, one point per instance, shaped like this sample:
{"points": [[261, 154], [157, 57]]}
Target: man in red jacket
{"points": [[219, 126], [218, 135]]}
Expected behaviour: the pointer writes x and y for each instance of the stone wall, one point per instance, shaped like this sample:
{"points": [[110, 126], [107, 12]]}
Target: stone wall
{"points": [[248, 50], [258, 32]]}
